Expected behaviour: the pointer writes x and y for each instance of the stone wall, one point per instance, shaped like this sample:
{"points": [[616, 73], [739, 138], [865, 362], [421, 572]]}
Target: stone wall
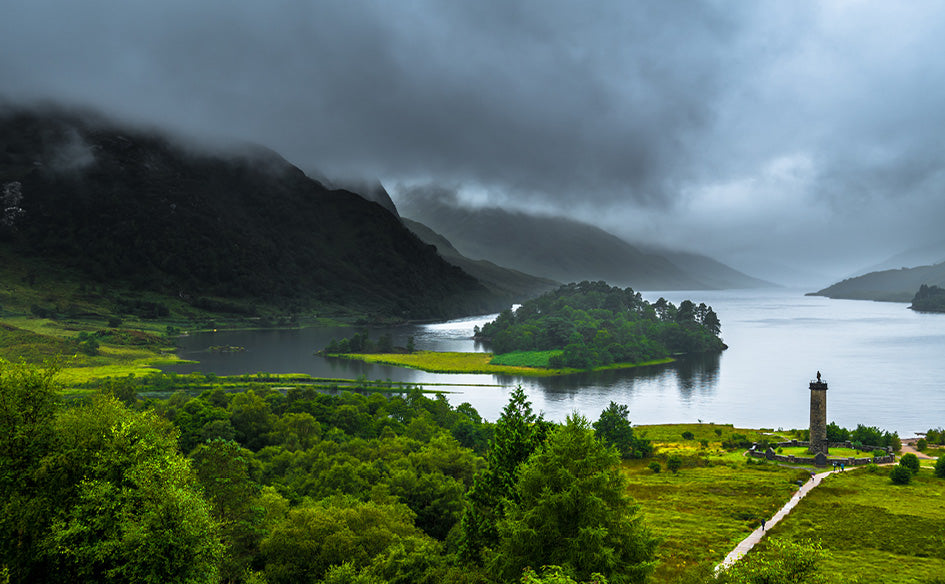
{"points": [[821, 459]]}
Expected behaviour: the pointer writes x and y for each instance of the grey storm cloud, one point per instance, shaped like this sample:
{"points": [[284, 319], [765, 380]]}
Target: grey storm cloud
{"points": [[784, 128]]}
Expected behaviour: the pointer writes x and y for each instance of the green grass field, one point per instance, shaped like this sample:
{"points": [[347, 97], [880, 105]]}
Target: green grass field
{"points": [[875, 530], [834, 452], [714, 502], [525, 358], [447, 362]]}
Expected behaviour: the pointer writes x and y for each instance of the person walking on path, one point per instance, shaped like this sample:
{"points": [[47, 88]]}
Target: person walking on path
{"points": [[762, 524]]}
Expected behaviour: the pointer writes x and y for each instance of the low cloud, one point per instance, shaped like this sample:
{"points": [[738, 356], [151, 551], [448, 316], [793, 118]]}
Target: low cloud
{"points": [[806, 131]]}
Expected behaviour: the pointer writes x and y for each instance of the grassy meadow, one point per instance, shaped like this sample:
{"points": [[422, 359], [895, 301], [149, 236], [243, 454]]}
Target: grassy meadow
{"points": [[715, 500], [522, 363], [448, 362], [874, 530]]}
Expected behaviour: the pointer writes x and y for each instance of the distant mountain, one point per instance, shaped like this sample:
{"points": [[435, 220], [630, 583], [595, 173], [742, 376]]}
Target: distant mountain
{"points": [[562, 249], [712, 273], [516, 286], [133, 208], [888, 285], [925, 255]]}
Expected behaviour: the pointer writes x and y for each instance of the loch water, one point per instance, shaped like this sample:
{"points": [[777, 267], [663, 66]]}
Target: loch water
{"points": [[884, 363]]}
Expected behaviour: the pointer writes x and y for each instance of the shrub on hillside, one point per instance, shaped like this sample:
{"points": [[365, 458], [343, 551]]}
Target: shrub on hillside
{"points": [[910, 461], [655, 467], [921, 444], [940, 467], [674, 463], [901, 475]]}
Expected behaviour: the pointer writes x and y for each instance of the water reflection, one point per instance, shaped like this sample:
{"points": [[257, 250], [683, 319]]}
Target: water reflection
{"points": [[778, 339], [698, 374]]}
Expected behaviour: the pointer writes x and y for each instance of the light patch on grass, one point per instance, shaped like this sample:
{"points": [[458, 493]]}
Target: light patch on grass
{"points": [[447, 362]]}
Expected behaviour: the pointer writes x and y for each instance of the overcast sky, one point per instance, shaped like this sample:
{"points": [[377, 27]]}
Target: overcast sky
{"points": [[803, 134]]}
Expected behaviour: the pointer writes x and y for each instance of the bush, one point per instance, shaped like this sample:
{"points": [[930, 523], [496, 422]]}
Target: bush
{"points": [[674, 463], [704, 443], [879, 453], [940, 467], [687, 435], [910, 461], [921, 444], [654, 466], [900, 475], [736, 441], [872, 467]]}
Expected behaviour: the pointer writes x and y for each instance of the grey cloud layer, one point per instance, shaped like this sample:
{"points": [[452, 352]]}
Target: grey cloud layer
{"points": [[674, 117]]}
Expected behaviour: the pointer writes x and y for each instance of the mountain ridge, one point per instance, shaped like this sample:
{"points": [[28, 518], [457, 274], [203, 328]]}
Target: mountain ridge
{"points": [[886, 285], [139, 208], [560, 249]]}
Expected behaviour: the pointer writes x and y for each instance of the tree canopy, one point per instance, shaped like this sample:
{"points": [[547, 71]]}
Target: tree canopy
{"points": [[595, 324], [571, 509]]}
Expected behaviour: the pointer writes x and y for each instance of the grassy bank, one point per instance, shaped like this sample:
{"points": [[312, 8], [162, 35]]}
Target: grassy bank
{"points": [[447, 362]]}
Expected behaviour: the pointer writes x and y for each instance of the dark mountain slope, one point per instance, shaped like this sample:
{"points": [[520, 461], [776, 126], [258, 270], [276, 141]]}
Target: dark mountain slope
{"points": [[889, 285], [516, 286], [136, 208]]}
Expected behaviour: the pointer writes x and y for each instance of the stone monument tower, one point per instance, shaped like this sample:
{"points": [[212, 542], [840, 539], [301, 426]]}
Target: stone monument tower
{"points": [[818, 416]]}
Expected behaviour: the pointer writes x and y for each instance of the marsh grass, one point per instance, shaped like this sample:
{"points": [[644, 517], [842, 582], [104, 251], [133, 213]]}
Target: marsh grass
{"points": [[874, 530]]}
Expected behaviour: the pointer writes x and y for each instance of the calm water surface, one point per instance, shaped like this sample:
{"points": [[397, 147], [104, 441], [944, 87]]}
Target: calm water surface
{"points": [[884, 365]]}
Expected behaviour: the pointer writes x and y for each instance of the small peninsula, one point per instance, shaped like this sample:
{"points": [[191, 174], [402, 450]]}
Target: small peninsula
{"points": [[578, 327]]}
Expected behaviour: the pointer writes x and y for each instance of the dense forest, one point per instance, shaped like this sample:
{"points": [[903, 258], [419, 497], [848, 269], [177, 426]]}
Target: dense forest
{"points": [[929, 299], [307, 487], [595, 324]]}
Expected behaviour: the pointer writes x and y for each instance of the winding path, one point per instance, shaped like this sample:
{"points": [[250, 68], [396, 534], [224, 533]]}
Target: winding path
{"points": [[749, 542]]}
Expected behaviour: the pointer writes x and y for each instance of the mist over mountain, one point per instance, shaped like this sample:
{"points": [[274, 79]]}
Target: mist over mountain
{"points": [[134, 208], [513, 284], [925, 255], [561, 249]]}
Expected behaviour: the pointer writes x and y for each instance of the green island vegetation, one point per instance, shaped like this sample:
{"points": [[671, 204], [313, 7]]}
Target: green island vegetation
{"points": [[577, 327], [272, 479], [594, 324], [929, 299]]}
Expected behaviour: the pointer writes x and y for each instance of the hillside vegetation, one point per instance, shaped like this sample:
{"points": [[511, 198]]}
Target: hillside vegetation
{"points": [[133, 209]]}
